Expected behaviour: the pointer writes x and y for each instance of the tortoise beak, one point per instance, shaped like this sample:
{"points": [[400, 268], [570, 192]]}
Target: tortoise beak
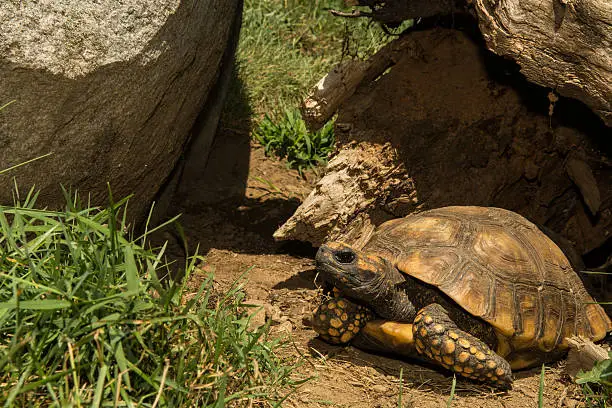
{"points": [[327, 264]]}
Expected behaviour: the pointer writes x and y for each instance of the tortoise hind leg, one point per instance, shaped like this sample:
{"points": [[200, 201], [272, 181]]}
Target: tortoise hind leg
{"points": [[438, 337]]}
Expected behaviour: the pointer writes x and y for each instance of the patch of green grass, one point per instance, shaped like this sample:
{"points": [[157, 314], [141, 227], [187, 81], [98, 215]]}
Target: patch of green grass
{"points": [[286, 46], [85, 321], [597, 383], [290, 139]]}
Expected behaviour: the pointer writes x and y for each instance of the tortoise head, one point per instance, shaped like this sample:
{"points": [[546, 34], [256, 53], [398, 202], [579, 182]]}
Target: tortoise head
{"points": [[365, 278], [355, 273]]}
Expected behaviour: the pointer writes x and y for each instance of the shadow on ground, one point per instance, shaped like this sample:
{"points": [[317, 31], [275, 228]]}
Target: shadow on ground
{"points": [[238, 198]]}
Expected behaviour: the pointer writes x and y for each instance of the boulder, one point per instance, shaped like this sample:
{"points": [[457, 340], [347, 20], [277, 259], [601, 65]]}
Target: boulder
{"points": [[111, 89]]}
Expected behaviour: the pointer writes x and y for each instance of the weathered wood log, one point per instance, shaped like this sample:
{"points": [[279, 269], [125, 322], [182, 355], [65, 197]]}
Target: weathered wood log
{"points": [[331, 91], [342, 81], [453, 125], [360, 179], [561, 44], [583, 355]]}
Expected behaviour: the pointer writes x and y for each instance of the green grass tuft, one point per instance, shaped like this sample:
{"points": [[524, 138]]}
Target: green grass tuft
{"points": [[597, 383], [84, 320], [286, 46], [288, 138]]}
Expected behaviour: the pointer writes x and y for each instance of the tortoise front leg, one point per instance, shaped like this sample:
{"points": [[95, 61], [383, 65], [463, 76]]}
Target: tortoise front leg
{"points": [[438, 337]]}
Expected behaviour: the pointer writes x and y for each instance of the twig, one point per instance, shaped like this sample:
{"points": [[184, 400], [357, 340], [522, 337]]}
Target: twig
{"points": [[161, 384], [352, 14], [302, 355]]}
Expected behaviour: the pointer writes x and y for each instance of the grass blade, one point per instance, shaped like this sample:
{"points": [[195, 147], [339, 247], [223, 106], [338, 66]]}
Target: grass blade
{"points": [[131, 271], [401, 384], [45, 304], [541, 388], [25, 162], [452, 392], [97, 398]]}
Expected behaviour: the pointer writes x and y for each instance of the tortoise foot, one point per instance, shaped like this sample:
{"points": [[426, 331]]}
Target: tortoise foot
{"points": [[438, 337], [338, 320]]}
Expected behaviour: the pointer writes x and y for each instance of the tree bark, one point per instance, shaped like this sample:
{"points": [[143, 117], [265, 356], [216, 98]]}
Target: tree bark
{"points": [[565, 45], [561, 44]]}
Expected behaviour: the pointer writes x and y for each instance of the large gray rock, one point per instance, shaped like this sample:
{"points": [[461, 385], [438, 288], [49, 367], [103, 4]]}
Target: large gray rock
{"points": [[111, 88]]}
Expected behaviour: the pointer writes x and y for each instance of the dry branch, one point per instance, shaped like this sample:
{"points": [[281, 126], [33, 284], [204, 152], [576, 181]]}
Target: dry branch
{"points": [[340, 83], [583, 355]]}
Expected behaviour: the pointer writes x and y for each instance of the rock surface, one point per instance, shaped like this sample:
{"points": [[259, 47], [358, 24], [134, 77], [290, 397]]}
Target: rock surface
{"points": [[111, 88]]}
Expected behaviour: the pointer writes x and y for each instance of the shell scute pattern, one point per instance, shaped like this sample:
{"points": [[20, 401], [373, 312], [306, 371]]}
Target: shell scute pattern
{"points": [[498, 266]]}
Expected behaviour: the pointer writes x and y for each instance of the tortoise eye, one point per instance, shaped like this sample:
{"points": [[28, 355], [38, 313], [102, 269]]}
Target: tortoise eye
{"points": [[345, 256]]}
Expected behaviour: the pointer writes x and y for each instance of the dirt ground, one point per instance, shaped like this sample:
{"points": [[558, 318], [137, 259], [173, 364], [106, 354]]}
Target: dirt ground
{"points": [[233, 224]]}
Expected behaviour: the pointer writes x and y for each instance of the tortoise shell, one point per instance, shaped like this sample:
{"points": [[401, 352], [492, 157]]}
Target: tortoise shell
{"points": [[499, 267]]}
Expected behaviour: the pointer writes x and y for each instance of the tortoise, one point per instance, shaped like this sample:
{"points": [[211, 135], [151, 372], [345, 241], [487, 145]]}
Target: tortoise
{"points": [[480, 291]]}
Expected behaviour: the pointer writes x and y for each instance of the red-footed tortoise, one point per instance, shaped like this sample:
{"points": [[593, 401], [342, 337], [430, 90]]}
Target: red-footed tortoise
{"points": [[480, 291]]}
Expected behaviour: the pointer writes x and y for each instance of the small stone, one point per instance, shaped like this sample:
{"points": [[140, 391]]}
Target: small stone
{"points": [[379, 388], [285, 327], [258, 319], [570, 403]]}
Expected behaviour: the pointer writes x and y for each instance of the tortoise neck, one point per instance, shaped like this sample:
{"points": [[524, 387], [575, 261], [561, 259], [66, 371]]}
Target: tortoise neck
{"points": [[397, 307], [390, 302]]}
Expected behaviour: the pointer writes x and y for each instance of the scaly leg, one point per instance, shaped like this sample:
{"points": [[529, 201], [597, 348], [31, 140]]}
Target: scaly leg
{"points": [[438, 337]]}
